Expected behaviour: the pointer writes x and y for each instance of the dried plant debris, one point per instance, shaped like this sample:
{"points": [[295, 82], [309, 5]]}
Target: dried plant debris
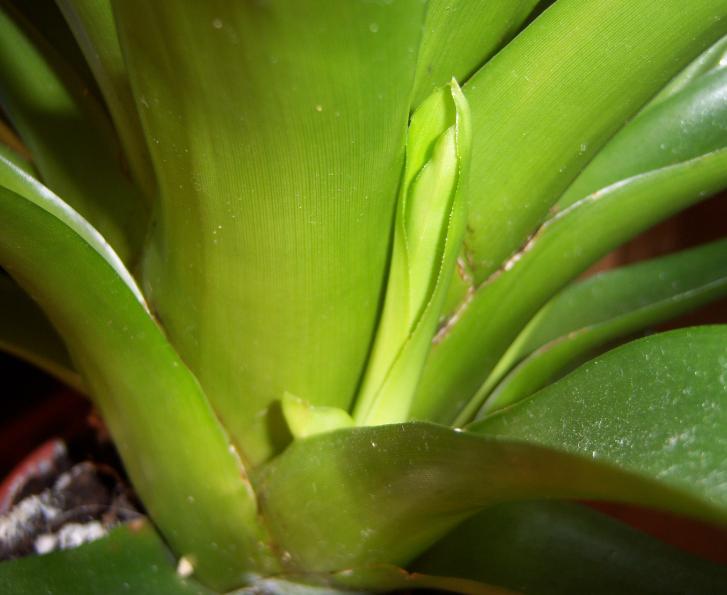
{"points": [[62, 510]]}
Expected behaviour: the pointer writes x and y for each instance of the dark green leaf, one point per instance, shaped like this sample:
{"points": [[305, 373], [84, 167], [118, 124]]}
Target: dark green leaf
{"points": [[383, 494], [131, 559], [556, 548], [473, 340], [605, 307], [26, 333], [656, 407], [73, 144], [179, 458], [93, 25]]}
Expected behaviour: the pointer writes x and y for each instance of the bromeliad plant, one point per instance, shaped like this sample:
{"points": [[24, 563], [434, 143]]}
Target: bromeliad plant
{"points": [[316, 264]]}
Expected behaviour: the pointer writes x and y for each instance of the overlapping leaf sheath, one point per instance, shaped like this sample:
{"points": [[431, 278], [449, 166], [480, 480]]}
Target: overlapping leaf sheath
{"points": [[180, 459], [277, 133]]}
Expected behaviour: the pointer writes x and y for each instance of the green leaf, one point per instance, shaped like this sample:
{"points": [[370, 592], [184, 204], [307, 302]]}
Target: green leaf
{"points": [[26, 333], [305, 420], [176, 453], [602, 308], [683, 125], [14, 153], [545, 105], [131, 559], [556, 548], [473, 340], [460, 35], [384, 494], [73, 144], [290, 174], [92, 23], [428, 232], [656, 407]]}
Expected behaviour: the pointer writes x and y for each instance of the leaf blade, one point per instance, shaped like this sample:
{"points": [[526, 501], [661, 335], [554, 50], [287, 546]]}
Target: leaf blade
{"points": [[472, 341], [669, 392], [601, 309], [136, 379]]}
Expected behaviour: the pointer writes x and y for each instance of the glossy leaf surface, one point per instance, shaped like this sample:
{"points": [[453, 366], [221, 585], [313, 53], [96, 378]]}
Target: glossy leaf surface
{"points": [[473, 340], [176, 453], [690, 121], [545, 105], [383, 494], [602, 308], [557, 548], [290, 174], [655, 407]]}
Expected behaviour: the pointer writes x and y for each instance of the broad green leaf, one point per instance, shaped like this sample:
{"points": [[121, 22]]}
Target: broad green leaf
{"points": [[179, 458], [428, 232], [688, 123], [92, 23], [131, 559], [656, 407], [545, 105], [473, 340], [460, 35], [384, 494], [74, 146], [710, 60], [557, 548], [277, 131], [26, 333], [600, 309]]}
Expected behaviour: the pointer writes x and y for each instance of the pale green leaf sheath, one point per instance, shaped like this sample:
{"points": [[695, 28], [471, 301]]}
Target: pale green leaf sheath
{"points": [[73, 144], [277, 132], [176, 453], [428, 235], [601, 309]]}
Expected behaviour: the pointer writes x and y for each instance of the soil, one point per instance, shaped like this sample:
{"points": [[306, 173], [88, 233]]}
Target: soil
{"points": [[63, 495]]}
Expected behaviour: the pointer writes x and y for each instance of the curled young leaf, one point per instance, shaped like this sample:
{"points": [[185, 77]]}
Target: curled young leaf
{"points": [[428, 233]]}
